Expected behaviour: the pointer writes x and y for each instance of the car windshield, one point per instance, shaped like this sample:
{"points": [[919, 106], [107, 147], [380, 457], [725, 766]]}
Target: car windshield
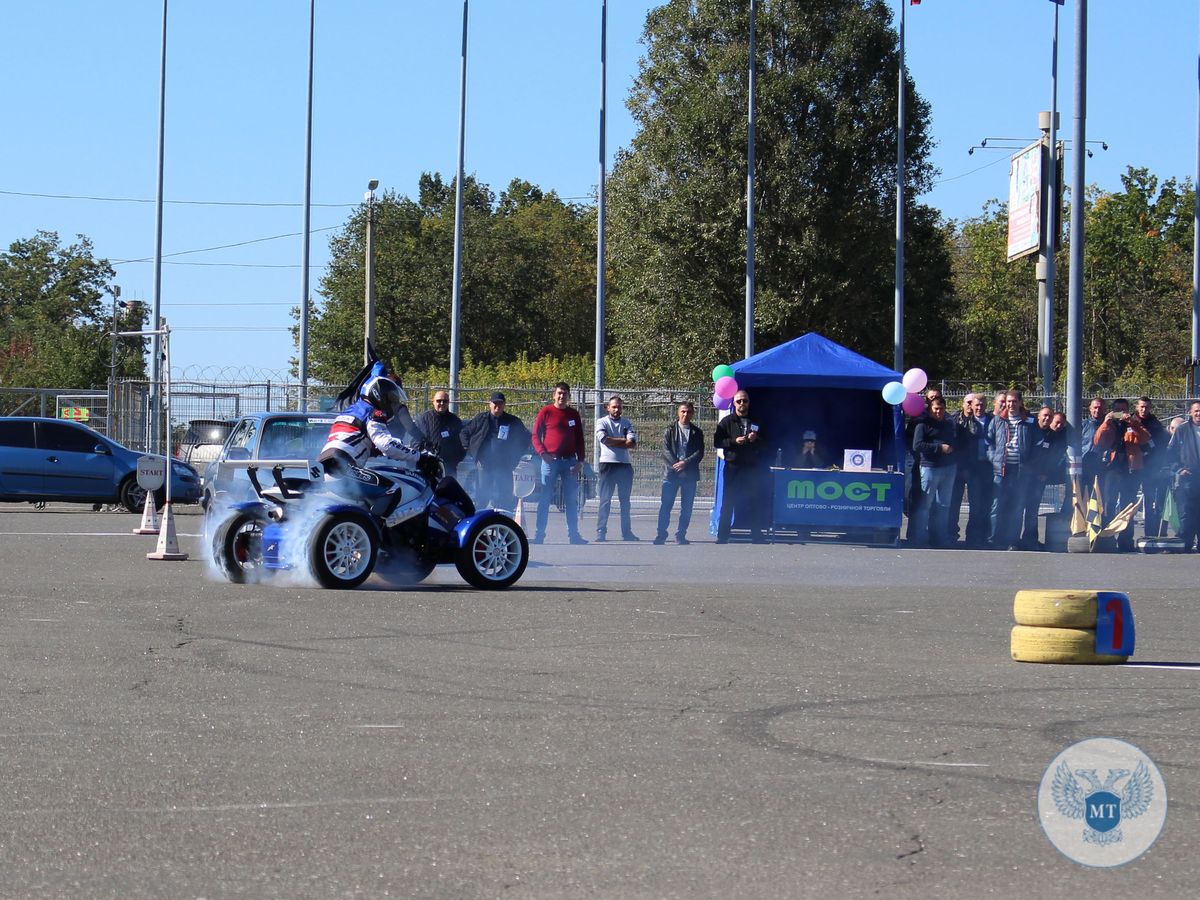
{"points": [[293, 438], [207, 432]]}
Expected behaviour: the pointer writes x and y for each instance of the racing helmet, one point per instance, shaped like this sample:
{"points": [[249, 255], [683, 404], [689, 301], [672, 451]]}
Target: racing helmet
{"points": [[385, 395]]}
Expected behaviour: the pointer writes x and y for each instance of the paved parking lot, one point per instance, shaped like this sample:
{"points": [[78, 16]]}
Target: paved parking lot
{"points": [[629, 720]]}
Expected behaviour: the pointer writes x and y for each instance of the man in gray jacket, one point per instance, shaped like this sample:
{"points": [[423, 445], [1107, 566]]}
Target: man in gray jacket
{"points": [[683, 448]]}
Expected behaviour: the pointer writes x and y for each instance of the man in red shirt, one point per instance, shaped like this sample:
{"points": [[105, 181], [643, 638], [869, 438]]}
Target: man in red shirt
{"points": [[558, 438]]}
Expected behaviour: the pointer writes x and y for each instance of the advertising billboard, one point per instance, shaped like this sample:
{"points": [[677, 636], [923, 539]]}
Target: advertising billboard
{"points": [[1025, 202]]}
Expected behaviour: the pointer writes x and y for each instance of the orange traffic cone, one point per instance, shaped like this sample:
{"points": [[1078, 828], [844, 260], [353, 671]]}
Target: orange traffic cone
{"points": [[168, 545], [149, 517]]}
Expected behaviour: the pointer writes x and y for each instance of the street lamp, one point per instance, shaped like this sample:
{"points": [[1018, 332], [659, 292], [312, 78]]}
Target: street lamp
{"points": [[369, 338]]}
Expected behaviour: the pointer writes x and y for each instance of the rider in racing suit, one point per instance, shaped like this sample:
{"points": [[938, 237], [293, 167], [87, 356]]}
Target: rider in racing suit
{"points": [[361, 432]]}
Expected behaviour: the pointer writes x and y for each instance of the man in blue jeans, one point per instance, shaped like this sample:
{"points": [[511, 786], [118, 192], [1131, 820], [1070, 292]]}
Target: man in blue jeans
{"points": [[683, 448], [936, 440], [559, 441], [615, 437]]}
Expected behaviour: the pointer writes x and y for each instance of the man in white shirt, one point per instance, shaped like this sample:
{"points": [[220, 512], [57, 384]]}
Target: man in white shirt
{"points": [[616, 438]]}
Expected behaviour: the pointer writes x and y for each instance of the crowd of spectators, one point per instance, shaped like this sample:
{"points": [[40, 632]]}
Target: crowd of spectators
{"points": [[1002, 461], [993, 465]]}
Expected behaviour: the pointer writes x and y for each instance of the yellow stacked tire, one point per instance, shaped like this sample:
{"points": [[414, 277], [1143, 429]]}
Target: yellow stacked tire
{"points": [[1055, 609], [1057, 627], [1076, 646]]}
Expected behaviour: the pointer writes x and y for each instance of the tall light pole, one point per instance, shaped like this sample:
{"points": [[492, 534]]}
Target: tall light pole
{"points": [[597, 404], [369, 330], [898, 327], [750, 121], [304, 298], [456, 289], [1075, 291], [156, 342]]}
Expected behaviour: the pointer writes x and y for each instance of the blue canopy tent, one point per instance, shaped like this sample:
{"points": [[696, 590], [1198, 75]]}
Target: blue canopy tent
{"points": [[814, 384]]}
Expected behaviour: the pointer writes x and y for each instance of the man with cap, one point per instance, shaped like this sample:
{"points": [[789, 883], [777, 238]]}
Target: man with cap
{"points": [[809, 456], [497, 440]]}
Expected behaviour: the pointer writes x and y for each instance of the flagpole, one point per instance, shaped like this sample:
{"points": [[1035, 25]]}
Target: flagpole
{"points": [[898, 330], [1194, 362], [751, 118]]}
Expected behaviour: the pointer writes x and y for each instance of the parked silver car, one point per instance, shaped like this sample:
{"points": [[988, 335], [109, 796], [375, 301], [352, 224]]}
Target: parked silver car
{"points": [[264, 435]]}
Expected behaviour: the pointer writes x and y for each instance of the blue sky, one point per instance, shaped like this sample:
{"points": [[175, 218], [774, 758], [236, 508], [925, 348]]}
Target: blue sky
{"points": [[82, 101]]}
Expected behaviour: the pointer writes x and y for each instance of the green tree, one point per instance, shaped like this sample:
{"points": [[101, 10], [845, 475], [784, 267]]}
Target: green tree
{"points": [[993, 323], [1138, 279], [53, 325], [825, 154], [527, 279], [1136, 298]]}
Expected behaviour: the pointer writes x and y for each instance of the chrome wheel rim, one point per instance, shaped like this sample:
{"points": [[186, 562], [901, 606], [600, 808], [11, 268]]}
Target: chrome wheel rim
{"points": [[347, 550], [496, 551]]}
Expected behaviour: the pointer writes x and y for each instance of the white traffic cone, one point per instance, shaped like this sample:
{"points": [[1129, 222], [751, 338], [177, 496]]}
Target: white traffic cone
{"points": [[520, 513], [149, 517], [168, 545]]}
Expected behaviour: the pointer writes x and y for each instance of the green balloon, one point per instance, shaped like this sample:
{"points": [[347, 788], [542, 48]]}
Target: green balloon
{"points": [[722, 371]]}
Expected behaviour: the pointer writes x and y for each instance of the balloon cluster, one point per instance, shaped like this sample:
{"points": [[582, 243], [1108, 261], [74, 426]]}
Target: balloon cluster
{"points": [[724, 387], [906, 393]]}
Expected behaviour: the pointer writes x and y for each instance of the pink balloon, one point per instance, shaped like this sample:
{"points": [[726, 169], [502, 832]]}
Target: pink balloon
{"points": [[915, 380], [914, 404], [726, 386], [722, 402]]}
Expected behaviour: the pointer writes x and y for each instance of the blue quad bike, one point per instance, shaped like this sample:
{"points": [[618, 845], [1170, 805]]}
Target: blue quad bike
{"points": [[296, 524]]}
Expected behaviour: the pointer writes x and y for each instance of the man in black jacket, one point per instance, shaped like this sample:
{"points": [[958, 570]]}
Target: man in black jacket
{"points": [[497, 440], [1155, 476], [742, 483], [936, 440], [973, 474], [439, 428], [1185, 465], [683, 448]]}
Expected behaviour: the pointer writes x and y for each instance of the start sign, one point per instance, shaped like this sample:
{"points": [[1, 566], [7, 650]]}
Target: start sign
{"points": [[525, 478], [151, 472], [75, 413]]}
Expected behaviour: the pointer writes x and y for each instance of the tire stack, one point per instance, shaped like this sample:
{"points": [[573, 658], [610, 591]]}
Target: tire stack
{"points": [[1057, 627]]}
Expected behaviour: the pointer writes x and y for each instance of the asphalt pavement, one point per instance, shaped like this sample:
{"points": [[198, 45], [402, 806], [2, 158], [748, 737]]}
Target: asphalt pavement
{"points": [[629, 720]]}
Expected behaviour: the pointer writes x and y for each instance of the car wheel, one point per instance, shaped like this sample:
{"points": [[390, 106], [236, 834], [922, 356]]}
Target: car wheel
{"points": [[494, 554], [133, 496], [237, 548], [342, 551]]}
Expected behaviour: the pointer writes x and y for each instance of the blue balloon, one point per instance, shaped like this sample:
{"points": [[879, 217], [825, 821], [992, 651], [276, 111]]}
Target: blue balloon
{"points": [[894, 392]]}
